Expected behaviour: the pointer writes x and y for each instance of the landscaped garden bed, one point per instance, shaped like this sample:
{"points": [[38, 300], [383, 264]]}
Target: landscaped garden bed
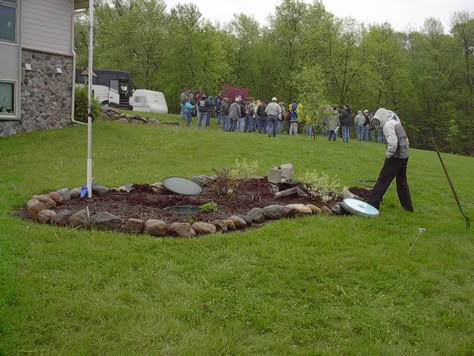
{"points": [[226, 202]]}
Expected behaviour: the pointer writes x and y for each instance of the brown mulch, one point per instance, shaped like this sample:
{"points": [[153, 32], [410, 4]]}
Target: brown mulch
{"points": [[364, 194]]}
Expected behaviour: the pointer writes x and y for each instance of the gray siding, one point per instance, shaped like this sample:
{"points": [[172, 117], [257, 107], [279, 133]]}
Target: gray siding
{"points": [[9, 56], [46, 25]]}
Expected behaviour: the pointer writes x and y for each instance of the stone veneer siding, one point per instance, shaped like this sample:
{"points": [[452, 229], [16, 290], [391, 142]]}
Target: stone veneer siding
{"points": [[46, 96]]}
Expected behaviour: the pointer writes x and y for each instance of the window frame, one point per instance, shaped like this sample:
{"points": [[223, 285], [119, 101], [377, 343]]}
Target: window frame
{"points": [[5, 115], [15, 6]]}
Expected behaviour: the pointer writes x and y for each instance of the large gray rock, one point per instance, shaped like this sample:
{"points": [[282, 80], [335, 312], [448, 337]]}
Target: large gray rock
{"points": [[181, 230], [106, 221], [247, 219], [239, 222], [134, 226], [153, 121], [61, 218], [65, 194], [273, 212], [156, 227], [99, 189], [337, 209], [202, 180], [75, 193], [257, 215], [45, 216], [287, 171], [80, 219], [203, 228]]}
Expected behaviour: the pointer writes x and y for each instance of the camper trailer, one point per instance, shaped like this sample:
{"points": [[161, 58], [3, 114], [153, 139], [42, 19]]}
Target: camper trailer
{"points": [[149, 101]]}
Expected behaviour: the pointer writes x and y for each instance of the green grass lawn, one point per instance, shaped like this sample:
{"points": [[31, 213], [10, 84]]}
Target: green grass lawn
{"points": [[332, 285]]}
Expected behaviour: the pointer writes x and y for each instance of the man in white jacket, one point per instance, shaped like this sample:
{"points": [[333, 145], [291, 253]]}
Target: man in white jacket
{"points": [[395, 165]]}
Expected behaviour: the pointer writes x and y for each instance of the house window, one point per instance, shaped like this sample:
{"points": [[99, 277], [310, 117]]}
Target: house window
{"points": [[8, 20], [7, 98]]}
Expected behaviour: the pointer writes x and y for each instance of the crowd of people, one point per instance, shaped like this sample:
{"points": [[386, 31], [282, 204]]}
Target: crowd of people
{"points": [[341, 121], [274, 117]]}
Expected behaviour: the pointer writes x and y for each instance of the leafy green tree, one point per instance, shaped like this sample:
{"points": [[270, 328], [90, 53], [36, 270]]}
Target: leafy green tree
{"points": [[131, 36]]}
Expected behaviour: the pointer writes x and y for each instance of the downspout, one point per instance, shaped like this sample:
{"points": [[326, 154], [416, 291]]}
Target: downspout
{"points": [[74, 76]]}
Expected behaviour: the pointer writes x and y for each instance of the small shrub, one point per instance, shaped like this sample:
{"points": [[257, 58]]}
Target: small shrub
{"points": [[225, 183], [229, 178], [80, 105], [208, 207], [244, 170], [321, 185]]}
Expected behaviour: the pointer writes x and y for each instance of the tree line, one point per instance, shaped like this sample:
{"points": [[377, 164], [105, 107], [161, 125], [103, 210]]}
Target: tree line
{"points": [[304, 53]]}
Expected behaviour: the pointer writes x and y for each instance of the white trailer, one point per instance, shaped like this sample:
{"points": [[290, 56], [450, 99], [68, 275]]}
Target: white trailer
{"points": [[149, 101]]}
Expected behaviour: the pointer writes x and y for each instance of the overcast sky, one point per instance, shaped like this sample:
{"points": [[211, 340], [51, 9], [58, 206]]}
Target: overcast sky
{"points": [[402, 14]]}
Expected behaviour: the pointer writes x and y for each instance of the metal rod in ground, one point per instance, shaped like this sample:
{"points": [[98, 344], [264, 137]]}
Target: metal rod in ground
{"points": [[421, 230], [466, 218]]}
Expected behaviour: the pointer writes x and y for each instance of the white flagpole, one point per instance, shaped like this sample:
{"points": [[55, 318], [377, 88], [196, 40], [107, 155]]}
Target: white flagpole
{"points": [[89, 101]]}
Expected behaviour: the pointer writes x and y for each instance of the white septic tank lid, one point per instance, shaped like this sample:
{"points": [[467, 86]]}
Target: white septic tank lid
{"points": [[359, 207]]}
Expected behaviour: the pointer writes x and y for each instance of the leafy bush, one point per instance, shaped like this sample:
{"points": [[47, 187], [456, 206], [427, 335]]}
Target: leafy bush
{"points": [[80, 105], [226, 183], [208, 207], [321, 185], [244, 170], [229, 178]]}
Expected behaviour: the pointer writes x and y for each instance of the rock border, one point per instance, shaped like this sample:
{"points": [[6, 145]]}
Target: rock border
{"points": [[113, 115]]}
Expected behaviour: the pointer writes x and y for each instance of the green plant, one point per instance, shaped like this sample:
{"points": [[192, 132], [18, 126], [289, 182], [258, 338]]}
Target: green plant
{"points": [[80, 105], [209, 207], [321, 184], [243, 169], [225, 183]]}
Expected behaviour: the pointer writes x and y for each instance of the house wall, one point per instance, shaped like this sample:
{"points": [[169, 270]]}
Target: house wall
{"points": [[47, 25], [44, 97]]}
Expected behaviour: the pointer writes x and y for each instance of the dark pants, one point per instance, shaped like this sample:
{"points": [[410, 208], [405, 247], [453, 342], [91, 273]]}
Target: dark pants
{"points": [[272, 125], [393, 167]]}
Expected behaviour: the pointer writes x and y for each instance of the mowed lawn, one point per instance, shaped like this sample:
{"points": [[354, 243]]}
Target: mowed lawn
{"points": [[331, 285]]}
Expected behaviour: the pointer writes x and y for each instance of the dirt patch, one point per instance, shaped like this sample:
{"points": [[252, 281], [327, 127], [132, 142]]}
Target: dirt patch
{"points": [[364, 194]]}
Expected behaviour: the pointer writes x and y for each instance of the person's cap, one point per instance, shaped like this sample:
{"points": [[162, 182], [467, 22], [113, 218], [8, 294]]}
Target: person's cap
{"points": [[274, 99], [359, 112], [366, 111]]}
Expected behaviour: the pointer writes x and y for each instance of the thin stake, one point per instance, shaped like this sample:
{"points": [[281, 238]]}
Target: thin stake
{"points": [[466, 218], [421, 230]]}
